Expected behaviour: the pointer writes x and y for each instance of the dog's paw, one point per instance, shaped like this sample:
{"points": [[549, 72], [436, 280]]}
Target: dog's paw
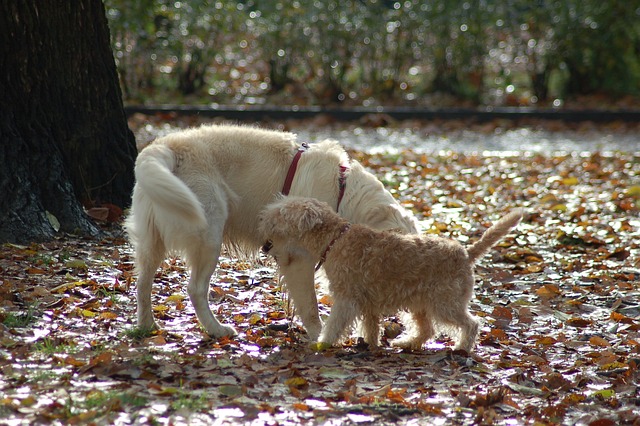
{"points": [[313, 331], [222, 331], [406, 343]]}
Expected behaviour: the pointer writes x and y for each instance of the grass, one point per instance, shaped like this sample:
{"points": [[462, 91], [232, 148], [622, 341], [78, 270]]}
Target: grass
{"points": [[143, 359], [138, 333], [20, 319], [112, 295], [190, 401], [98, 403], [48, 376], [108, 401], [49, 347], [43, 259]]}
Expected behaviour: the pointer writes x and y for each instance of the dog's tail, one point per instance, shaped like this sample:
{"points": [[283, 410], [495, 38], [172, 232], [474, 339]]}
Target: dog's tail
{"points": [[155, 179], [494, 234]]}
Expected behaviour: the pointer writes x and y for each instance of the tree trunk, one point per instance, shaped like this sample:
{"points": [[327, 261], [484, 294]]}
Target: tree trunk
{"points": [[64, 139]]}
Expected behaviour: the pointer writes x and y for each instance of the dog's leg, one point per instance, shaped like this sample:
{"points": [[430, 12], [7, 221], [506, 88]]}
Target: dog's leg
{"points": [[343, 314], [149, 255], [423, 331], [203, 254], [456, 314], [468, 332], [204, 260], [299, 279], [371, 328]]}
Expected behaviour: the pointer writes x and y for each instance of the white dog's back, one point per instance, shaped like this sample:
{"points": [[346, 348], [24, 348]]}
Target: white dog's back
{"points": [[180, 175]]}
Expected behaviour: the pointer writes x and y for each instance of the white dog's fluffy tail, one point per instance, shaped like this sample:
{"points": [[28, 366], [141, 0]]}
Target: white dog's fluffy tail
{"points": [[166, 191], [494, 234]]}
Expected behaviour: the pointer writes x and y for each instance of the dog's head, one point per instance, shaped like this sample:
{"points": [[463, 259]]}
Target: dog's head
{"points": [[291, 217], [285, 223]]}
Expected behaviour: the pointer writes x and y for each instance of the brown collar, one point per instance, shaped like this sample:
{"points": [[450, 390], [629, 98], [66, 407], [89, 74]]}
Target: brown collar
{"points": [[342, 180], [343, 231]]}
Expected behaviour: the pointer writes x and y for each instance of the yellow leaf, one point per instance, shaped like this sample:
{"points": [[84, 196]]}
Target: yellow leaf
{"points": [[155, 389], [633, 191], [161, 308], [533, 258], [440, 226], [254, 319], [8, 402], [28, 401], [68, 286], [605, 393], [175, 297], [108, 315], [276, 315], [296, 382], [570, 181], [559, 207], [534, 268], [74, 362], [87, 313], [613, 366], [320, 346], [549, 199], [76, 264]]}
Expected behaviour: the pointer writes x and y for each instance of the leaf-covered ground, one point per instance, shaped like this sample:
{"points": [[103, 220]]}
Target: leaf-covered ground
{"points": [[559, 299]]}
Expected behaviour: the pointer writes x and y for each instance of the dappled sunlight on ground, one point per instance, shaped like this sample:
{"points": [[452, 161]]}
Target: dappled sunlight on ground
{"points": [[559, 300]]}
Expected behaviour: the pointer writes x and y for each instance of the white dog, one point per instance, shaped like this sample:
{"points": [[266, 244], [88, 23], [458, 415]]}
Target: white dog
{"points": [[199, 188]]}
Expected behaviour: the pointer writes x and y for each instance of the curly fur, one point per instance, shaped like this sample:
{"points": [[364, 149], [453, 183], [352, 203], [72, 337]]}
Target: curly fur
{"points": [[373, 273]]}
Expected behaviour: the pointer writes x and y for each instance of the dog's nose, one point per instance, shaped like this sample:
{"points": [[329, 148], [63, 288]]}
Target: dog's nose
{"points": [[267, 246]]}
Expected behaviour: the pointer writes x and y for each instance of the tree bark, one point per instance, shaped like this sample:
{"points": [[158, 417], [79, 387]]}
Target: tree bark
{"points": [[64, 139]]}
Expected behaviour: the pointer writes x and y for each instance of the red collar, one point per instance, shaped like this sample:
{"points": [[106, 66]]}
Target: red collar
{"points": [[342, 184], [343, 231], [342, 180], [292, 169]]}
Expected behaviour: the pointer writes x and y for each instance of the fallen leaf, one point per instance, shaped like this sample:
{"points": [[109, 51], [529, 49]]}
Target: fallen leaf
{"points": [[599, 341]]}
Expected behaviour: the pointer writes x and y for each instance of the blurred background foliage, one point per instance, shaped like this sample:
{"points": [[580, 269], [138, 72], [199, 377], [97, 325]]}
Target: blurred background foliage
{"points": [[375, 52]]}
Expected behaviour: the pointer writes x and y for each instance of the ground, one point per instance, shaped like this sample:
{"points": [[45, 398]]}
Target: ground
{"points": [[559, 300]]}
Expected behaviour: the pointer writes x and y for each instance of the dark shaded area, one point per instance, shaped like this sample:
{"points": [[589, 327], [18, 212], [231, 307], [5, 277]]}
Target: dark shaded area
{"points": [[250, 113], [64, 136]]}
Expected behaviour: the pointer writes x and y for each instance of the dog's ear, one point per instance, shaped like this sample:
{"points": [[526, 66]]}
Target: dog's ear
{"points": [[305, 216], [268, 222], [262, 224]]}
